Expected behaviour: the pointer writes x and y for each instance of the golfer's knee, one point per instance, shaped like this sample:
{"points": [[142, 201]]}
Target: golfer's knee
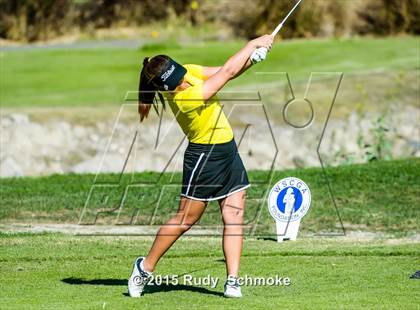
{"points": [[232, 214], [185, 222]]}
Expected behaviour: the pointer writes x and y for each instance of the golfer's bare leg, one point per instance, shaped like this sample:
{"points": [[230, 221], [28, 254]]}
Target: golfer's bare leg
{"points": [[232, 209], [189, 212]]}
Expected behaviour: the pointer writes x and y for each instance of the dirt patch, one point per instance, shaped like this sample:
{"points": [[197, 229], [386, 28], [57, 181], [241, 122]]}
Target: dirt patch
{"points": [[127, 230], [75, 229]]}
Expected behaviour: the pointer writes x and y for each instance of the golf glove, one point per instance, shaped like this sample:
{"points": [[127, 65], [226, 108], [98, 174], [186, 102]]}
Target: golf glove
{"points": [[259, 55]]}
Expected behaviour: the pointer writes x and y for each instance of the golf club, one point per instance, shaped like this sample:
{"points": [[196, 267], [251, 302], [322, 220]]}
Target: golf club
{"points": [[255, 54]]}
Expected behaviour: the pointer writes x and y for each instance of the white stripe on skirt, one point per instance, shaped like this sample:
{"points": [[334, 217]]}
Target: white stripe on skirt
{"points": [[192, 174]]}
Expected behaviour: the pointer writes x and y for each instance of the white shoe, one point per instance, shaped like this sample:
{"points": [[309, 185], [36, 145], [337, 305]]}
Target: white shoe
{"points": [[232, 288], [138, 279]]}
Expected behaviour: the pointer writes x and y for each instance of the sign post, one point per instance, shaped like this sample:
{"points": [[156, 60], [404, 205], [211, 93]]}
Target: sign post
{"points": [[289, 200]]}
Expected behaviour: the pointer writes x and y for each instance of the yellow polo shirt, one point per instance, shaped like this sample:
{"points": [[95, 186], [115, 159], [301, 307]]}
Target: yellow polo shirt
{"points": [[203, 122]]}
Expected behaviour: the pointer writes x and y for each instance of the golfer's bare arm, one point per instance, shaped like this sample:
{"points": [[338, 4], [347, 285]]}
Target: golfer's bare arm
{"points": [[210, 71], [233, 67]]}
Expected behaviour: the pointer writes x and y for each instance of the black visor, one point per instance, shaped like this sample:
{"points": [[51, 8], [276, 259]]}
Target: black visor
{"points": [[169, 79], [171, 76]]}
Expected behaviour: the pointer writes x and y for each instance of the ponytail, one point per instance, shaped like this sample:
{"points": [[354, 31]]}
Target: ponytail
{"points": [[147, 90]]}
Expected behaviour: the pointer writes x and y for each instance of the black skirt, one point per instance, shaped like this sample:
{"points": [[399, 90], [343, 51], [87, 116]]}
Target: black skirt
{"points": [[212, 171]]}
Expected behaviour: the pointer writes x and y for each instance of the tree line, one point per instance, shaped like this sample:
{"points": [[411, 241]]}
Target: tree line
{"points": [[33, 20]]}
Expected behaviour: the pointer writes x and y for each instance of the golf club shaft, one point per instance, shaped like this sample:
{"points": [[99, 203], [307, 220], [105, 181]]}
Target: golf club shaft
{"points": [[284, 20]]}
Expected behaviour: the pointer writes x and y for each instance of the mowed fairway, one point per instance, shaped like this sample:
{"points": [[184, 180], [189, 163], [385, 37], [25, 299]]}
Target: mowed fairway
{"points": [[58, 271], [366, 197], [88, 77]]}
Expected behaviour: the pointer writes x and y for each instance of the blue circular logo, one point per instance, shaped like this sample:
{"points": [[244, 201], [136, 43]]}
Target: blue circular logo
{"points": [[289, 200], [285, 195]]}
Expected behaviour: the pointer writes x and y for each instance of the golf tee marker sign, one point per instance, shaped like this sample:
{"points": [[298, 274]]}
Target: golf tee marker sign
{"points": [[289, 200]]}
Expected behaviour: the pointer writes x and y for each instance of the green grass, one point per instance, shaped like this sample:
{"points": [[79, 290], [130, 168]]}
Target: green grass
{"points": [[380, 197], [88, 77], [65, 272]]}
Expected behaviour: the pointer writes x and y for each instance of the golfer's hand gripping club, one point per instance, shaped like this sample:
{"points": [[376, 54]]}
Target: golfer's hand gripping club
{"points": [[263, 45], [259, 55]]}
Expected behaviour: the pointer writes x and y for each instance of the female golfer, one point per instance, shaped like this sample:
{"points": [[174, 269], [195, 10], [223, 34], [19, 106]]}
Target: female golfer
{"points": [[212, 167]]}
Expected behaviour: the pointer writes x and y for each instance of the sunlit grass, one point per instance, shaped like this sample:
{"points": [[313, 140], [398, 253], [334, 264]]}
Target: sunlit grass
{"points": [[86, 77]]}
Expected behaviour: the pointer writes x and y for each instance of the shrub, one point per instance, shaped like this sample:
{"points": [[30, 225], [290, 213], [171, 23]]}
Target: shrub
{"points": [[384, 17]]}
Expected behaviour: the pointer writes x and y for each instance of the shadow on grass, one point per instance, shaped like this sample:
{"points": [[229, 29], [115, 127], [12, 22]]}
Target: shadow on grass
{"points": [[267, 239], [150, 289]]}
